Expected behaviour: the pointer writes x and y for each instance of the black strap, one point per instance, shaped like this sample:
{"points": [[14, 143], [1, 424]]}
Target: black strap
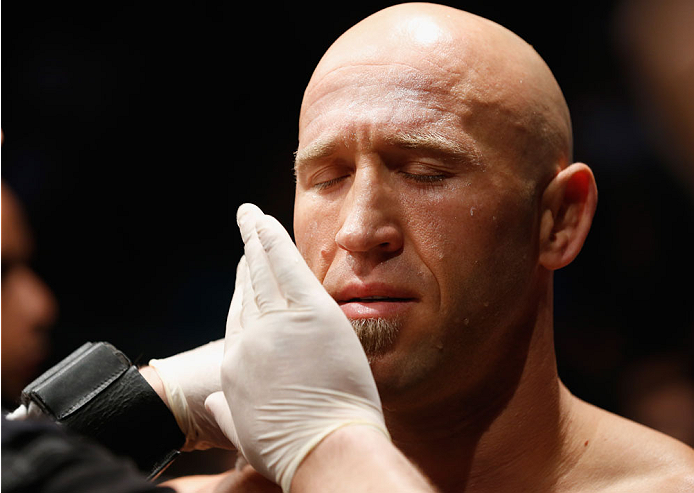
{"points": [[97, 392]]}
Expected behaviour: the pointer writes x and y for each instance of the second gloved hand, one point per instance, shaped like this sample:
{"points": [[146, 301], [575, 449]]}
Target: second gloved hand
{"points": [[188, 378], [296, 371]]}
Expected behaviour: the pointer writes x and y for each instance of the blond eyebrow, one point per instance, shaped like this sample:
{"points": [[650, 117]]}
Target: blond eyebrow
{"points": [[426, 141], [316, 150], [436, 143]]}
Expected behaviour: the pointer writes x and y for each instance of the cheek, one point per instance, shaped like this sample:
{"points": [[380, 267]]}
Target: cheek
{"points": [[315, 236], [443, 228], [475, 247]]}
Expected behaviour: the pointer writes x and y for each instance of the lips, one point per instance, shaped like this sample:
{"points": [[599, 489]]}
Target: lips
{"points": [[374, 300]]}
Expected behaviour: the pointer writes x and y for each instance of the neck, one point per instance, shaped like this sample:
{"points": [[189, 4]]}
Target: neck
{"points": [[515, 437]]}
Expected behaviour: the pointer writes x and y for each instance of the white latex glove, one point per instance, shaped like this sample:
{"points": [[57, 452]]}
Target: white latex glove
{"points": [[188, 378], [296, 372]]}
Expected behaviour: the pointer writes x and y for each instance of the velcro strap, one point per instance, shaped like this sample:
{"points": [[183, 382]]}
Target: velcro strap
{"points": [[75, 381], [96, 392]]}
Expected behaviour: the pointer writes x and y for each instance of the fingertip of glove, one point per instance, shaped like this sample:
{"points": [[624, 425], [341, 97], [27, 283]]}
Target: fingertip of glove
{"points": [[245, 211]]}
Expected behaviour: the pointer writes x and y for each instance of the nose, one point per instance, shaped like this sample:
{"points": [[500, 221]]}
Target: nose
{"points": [[369, 215], [34, 300]]}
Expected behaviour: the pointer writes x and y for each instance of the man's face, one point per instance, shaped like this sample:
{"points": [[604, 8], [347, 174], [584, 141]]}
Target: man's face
{"points": [[405, 213], [28, 306]]}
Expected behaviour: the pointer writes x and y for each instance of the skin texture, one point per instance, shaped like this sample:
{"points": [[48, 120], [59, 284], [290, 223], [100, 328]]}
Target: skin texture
{"points": [[28, 306], [434, 170]]}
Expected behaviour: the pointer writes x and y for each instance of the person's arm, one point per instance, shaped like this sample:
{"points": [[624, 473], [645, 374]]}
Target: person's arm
{"points": [[153, 379], [351, 459], [243, 480], [357, 458]]}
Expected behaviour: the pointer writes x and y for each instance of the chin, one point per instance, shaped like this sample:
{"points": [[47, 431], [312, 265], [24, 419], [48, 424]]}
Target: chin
{"points": [[378, 336], [403, 377]]}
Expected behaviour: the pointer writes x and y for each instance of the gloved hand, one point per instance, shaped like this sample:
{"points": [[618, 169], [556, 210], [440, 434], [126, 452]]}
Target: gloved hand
{"points": [[188, 378], [296, 371]]}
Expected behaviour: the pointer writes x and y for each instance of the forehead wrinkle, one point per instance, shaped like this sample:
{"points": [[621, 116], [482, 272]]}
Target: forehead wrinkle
{"points": [[424, 71], [408, 81]]}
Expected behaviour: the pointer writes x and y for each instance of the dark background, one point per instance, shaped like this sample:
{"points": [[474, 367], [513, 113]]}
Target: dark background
{"points": [[133, 131]]}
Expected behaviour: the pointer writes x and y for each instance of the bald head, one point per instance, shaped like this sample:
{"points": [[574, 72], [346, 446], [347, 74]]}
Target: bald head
{"points": [[432, 166], [498, 86]]}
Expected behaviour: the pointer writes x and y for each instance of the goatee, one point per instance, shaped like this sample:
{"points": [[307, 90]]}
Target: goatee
{"points": [[377, 335]]}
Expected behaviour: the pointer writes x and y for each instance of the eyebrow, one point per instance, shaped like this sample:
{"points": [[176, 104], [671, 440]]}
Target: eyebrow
{"points": [[438, 144], [316, 150], [426, 141]]}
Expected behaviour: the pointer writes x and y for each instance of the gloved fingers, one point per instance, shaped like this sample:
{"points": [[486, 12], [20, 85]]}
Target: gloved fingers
{"points": [[249, 309], [267, 294], [233, 327], [246, 216], [295, 279], [216, 404]]}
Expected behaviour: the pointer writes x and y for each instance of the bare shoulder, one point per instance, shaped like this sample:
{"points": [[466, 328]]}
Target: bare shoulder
{"points": [[625, 456]]}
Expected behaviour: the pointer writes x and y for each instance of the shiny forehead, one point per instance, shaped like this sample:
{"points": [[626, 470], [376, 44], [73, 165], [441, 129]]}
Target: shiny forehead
{"points": [[424, 48]]}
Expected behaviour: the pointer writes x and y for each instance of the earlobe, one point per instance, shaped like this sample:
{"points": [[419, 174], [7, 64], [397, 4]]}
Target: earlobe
{"points": [[568, 205]]}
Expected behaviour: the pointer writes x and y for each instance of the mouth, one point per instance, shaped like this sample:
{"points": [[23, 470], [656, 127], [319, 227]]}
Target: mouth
{"points": [[375, 306], [375, 299]]}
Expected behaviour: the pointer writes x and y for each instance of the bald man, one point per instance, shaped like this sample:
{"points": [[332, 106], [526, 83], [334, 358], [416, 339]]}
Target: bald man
{"points": [[435, 197]]}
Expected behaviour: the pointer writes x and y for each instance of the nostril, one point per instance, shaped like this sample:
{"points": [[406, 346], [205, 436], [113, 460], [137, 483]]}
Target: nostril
{"points": [[388, 246]]}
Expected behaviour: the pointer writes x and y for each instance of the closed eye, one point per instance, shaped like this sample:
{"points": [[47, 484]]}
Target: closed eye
{"points": [[424, 178], [324, 185]]}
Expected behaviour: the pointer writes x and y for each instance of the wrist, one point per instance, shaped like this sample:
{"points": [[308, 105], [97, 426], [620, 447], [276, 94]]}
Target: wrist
{"points": [[152, 377], [154, 380]]}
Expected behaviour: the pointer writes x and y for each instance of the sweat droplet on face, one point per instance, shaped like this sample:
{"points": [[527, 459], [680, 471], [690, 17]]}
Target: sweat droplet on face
{"points": [[472, 211]]}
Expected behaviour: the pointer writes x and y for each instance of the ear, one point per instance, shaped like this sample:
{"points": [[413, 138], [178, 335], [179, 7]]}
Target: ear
{"points": [[568, 205]]}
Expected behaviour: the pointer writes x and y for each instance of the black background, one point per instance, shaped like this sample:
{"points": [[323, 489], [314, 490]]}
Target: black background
{"points": [[134, 130]]}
